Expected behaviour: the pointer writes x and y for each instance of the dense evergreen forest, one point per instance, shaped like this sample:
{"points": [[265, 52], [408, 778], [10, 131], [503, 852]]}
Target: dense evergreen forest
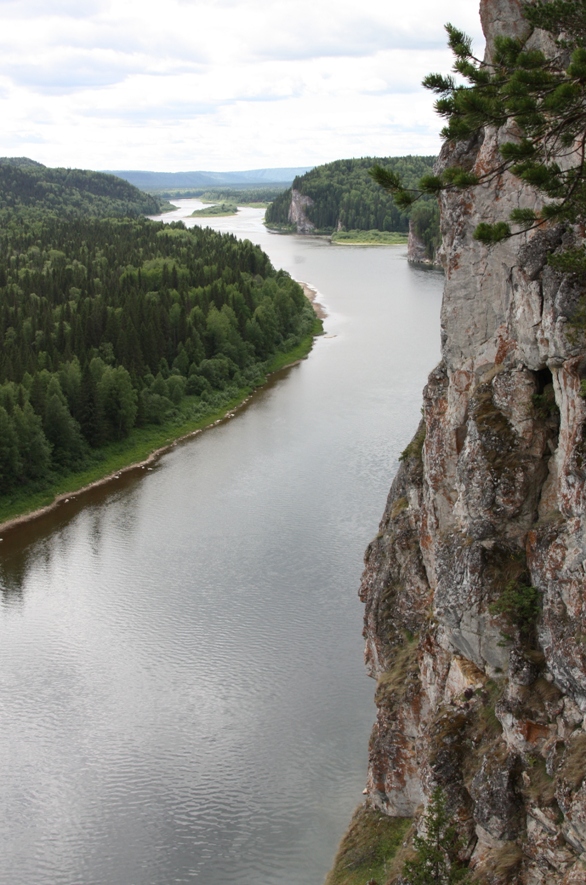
{"points": [[27, 188], [345, 197], [115, 323]]}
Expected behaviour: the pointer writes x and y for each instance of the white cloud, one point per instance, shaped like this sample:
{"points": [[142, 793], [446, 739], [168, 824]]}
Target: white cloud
{"points": [[220, 84], [20, 9]]}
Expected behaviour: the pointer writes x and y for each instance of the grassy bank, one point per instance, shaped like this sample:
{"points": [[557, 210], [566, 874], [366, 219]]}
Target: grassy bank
{"points": [[369, 238], [346, 237], [142, 442], [371, 849]]}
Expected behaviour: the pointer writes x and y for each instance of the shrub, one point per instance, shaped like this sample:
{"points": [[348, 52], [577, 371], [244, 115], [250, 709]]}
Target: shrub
{"points": [[520, 604]]}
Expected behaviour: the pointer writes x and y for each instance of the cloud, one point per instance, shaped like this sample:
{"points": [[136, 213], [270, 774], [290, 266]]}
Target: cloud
{"points": [[20, 138], [220, 83], [356, 37], [169, 112], [22, 9], [302, 29], [73, 72]]}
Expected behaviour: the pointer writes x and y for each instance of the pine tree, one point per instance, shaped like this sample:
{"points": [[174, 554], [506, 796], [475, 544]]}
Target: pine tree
{"points": [[540, 98], [437, 861]]}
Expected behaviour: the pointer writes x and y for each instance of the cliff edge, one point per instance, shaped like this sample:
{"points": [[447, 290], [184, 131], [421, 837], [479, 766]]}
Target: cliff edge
{"points": [[474, 588]]}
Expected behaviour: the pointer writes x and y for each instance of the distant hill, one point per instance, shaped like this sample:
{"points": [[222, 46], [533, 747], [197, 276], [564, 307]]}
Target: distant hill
{"points": [[28, 187], [20, 161], [341, 196], [165, 180]]}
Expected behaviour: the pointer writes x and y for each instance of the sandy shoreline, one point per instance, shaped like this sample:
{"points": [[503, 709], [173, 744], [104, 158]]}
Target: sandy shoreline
{"points": [[310, 293]]}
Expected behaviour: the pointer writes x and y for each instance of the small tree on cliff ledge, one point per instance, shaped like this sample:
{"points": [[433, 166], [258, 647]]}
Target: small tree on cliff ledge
{"points": [[542, 99], [437, 850]]}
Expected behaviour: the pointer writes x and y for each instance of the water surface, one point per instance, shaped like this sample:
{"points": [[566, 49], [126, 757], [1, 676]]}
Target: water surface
{"points": [[182, 695]]}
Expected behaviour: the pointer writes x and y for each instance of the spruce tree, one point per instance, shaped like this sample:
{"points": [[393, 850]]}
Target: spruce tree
{"points": [[437, 861]]}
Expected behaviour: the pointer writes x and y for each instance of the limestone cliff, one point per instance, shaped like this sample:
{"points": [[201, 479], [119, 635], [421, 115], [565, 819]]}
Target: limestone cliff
{"points": [[297, 216], [472, 694]]}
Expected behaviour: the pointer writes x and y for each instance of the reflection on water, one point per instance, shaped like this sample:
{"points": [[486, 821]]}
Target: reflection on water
{"points": [[182, 695]]}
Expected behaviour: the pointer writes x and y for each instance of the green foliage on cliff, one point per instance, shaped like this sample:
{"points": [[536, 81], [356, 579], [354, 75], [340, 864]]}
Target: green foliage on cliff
{"points": [[111, 324], [344, 195], [520, 603], [33, 190], [437, 848], [415, 447], [368, 849]]}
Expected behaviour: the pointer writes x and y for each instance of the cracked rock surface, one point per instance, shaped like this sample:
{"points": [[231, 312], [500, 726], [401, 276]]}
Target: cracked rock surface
{"points": [[490, 498]]}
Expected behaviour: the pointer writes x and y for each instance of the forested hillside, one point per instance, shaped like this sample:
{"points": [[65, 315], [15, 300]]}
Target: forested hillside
{"points": [[115, 323], [30, 188], [342, 195]]}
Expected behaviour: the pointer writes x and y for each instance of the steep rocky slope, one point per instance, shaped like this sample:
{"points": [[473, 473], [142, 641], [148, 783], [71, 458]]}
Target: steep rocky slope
{"points": [[297, 215], [474, 588]]}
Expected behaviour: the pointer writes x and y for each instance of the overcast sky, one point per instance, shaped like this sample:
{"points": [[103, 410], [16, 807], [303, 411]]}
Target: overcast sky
{"points": [[178, 85]]}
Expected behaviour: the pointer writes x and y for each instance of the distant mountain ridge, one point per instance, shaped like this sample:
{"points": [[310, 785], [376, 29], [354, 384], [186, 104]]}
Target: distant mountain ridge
{"points": [[155, 180]]}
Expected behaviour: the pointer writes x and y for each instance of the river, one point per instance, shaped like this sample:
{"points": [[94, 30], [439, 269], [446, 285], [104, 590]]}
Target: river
{"points": [[182, 692]]}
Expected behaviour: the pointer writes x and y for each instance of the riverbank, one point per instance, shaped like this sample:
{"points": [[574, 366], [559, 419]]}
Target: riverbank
{"points": [[364, 243], [145, 445], [345, 237], [311, 294]]}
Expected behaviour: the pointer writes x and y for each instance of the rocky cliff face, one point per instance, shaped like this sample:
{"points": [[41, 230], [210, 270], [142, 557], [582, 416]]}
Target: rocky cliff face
{"points": [[474, 588], [297, 216]]}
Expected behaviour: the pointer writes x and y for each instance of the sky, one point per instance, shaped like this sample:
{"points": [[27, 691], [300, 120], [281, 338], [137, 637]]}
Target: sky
{"points": [[220, 85]]}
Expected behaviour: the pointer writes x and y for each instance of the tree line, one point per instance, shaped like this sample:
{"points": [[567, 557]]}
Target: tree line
{"points": [[107, 324]]}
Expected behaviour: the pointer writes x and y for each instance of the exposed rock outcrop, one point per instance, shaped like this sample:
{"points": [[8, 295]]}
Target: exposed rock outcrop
{"points": [[297, 216], [487, 514]]}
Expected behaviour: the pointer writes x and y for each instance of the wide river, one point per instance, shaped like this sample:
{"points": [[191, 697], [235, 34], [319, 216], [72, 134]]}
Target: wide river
{"points": [[182, 691]]}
